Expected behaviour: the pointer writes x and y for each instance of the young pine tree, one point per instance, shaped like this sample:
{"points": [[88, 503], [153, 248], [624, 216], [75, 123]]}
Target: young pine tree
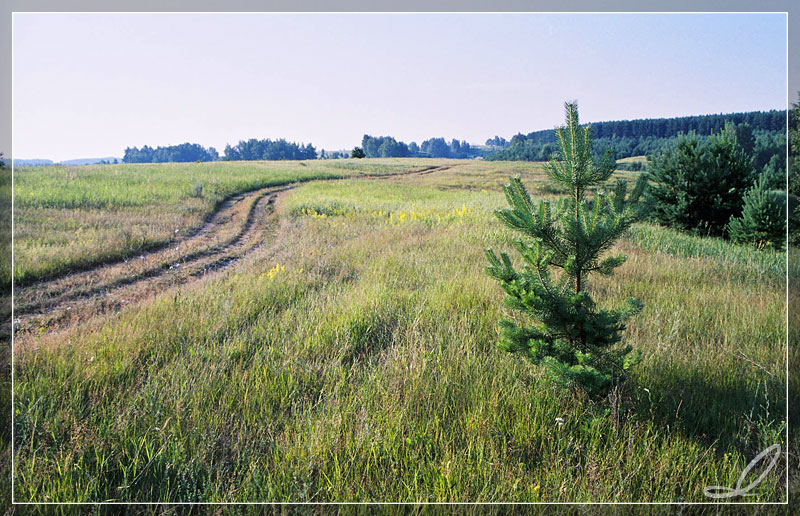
{"points": [[577, 342], [763, 220], [698, 185]]}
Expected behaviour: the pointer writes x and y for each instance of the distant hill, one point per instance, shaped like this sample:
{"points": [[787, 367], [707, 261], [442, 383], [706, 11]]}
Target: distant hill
{"points": [[32, 162], [90, 161], [80, 161]]}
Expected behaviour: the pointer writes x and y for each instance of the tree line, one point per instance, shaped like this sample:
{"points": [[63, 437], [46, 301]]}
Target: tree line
{"points": [[253, 149], [182, 153], [763, 131], [388, 147], [645, 137]]}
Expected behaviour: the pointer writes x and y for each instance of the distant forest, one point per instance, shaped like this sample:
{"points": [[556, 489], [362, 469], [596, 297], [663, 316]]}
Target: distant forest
{"points": [[244, 150], [762, 133], [388, 147], [253, 149], [646, 137], [182, 153]]}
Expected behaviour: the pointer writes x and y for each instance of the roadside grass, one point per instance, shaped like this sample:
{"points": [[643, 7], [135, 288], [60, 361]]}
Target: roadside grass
{"points": [[72, 217], [354, 359]]}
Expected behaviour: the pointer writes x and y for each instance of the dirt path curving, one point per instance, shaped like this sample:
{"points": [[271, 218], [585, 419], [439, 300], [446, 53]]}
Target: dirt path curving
{"points": [[238, 226]]}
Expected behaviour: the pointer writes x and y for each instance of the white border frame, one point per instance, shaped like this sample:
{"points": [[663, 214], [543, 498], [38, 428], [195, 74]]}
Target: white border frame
{"points": [[487, 13]]}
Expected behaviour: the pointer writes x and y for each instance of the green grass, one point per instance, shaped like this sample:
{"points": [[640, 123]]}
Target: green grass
{"points": [[72, 217], [354, 359], [747, 261]]}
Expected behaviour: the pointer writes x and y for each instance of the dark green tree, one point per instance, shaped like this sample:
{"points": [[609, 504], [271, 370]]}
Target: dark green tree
{"points": [[358, 152], [698, 186], [763, 220], [774, 173], [793, 170], [794, 148], [185, 152], [436, 148], [577, 342], [646, 137], [745, 138]]}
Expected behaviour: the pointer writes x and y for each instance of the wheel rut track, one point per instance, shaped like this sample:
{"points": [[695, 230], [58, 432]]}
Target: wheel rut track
{"points": [[221, 241], [63, 289]]}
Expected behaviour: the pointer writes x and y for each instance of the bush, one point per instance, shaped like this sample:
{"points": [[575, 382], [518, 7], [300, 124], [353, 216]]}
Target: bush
{"points": [[763, 220], [197, 190]]}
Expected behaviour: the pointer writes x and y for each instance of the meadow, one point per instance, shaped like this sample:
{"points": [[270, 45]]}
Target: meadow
{"points": [[67, 218], [352, 356]]}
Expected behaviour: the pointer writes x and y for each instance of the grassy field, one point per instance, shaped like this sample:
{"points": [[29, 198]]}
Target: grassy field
{"points": [[71, 217], [352, 357]]}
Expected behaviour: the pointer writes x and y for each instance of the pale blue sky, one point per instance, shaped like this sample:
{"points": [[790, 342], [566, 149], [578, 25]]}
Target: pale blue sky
{"points": [[88, 85]]}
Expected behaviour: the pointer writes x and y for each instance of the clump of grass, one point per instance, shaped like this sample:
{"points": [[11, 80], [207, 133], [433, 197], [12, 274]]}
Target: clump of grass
{"points": [[197, 190]]}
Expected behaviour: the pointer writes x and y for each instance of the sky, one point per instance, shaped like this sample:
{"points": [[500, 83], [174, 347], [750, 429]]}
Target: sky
{"points": [[90, 85]]}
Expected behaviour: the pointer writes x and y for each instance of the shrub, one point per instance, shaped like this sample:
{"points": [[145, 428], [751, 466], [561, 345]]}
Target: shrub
{"points": [[763, 220]]}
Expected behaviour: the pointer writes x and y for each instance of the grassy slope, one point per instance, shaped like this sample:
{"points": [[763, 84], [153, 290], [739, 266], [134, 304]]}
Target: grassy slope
{"points": [[354, 359]]}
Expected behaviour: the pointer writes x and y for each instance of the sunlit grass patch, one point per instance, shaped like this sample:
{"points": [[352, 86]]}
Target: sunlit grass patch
{"points": [[391, 203]]}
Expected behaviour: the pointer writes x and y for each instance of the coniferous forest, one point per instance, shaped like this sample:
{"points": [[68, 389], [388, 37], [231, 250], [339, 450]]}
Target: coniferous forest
{"points": [[646, 137]]}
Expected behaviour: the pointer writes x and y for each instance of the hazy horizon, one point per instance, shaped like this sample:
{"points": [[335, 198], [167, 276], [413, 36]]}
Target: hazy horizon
{"points": [[90, 85]]}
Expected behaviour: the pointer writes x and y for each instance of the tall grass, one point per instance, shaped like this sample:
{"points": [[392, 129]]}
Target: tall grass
{"points": [[761, 265], [354, 359]]}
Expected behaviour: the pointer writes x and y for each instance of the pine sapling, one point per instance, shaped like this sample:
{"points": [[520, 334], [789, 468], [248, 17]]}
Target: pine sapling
{"points": [[763, 220], [578, 343]]}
